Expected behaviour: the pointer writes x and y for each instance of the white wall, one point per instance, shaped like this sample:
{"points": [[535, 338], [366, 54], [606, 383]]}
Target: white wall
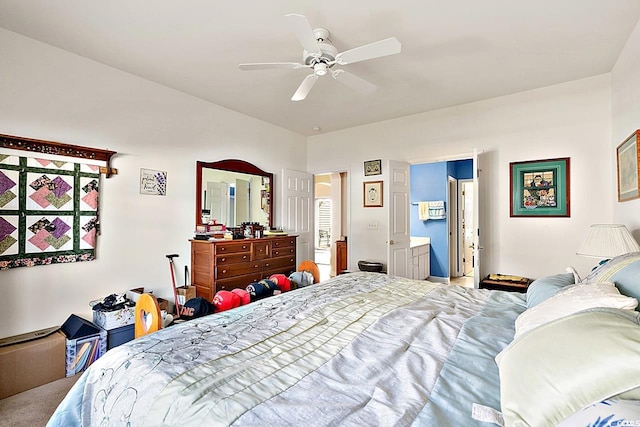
{"points": [[625, 95], [567, 120], [50, 94]]}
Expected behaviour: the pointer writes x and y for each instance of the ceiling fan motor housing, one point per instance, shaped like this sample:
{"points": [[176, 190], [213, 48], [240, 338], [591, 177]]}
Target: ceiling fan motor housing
{"points": [[329, 52]]}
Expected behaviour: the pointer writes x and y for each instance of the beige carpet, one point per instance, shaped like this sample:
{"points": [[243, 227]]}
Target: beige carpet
{"points": [[34, 407]]}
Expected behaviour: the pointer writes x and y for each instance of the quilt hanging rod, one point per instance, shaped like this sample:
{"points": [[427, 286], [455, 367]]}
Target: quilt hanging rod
{"points": [[60, 149]]}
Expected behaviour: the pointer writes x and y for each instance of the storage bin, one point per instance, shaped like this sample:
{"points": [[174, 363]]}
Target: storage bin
{"points": [[114, 319], [86, 342], [119, 336]]}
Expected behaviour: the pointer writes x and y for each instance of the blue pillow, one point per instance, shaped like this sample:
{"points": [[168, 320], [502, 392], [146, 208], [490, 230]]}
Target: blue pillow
{"points": [[546, 287], [623, 271]]}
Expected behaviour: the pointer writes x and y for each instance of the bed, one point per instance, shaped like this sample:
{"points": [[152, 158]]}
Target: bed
{"points": [[359, 349]]}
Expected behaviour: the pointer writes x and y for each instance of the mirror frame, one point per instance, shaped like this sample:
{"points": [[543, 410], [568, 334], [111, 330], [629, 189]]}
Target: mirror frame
{"points": [[231, 165]]}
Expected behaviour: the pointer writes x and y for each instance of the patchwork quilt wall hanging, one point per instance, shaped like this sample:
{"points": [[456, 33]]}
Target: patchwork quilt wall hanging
{"points": [[48, 211]]}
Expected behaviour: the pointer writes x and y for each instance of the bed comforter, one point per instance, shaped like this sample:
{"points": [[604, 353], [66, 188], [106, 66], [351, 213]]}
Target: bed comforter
{"points": [[359, 349]]}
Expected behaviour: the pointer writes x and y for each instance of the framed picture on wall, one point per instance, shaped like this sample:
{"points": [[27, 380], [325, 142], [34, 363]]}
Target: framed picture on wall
{"points": [[540, 188], [372, 167], [153, 182], [628, 163], [372, 194]]}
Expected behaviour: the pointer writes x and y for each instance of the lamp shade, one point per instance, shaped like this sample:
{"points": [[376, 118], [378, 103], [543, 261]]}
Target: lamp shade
{"points": [[608, 241]]}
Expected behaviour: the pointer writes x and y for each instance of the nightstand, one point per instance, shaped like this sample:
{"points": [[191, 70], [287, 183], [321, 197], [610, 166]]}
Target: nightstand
{"points": [[500, 282]]}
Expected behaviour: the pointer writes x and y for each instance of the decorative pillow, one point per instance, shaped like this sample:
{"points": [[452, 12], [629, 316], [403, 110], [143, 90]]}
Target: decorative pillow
{"points": [[546, 287], [571, 300], [607, 413], [565, 365], [623, 271]]}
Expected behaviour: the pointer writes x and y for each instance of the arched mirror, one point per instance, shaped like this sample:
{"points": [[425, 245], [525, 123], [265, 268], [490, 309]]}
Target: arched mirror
{"points": [[232, 192]]}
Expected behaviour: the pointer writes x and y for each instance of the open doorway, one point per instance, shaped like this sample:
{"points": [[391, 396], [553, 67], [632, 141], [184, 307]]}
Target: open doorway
{"points": [[437, 181], [329, 220]]}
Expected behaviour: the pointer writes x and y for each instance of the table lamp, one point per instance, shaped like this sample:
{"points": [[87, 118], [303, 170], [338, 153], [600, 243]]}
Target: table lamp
{"points": [[607, 241]]}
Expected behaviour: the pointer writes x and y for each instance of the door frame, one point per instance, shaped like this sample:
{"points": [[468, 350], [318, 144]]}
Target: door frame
{"points": [[474, 156], [453, 222], [346, 195]]}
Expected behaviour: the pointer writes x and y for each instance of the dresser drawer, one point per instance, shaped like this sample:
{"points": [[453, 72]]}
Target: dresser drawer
{"points": [[232, 247], [222, 260], [279, 263], [231, 270], [278, 252], [261, 250], [237, 282], [283, 242]]}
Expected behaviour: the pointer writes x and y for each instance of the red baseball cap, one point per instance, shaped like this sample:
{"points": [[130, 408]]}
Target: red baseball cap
{"points": [[245, 297], [225, 300], [282, 281]]}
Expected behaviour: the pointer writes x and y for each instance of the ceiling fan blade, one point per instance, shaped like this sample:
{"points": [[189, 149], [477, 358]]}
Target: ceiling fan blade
{"points": [[304, 33], [271, 65], [377, 49], [304, 88], [353, 81]]}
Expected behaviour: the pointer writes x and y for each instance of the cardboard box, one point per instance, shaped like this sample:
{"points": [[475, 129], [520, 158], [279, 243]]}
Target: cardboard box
{"points": [[185, 293], [85, 343], [133, 295], [114, 319], [32, 363]]}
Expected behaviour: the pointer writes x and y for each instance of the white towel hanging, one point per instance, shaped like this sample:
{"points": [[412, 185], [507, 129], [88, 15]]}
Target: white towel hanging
{"points": [[423, 211], [436, 210]]}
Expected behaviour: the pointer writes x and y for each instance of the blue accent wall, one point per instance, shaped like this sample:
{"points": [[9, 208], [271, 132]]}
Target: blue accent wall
{"points": [[429, 182]]}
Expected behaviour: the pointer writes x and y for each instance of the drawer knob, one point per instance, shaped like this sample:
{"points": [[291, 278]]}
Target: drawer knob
{"points": [[223, 259], [224, 271], [244, 257], [223, 249], [244, 247], [266, 264]]}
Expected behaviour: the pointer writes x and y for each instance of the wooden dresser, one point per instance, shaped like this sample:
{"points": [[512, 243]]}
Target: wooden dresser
{"points": [[228, 264]]}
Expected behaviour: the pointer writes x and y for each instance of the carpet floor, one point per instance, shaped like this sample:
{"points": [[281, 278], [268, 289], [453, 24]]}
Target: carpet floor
{"points": [[34, 407]]}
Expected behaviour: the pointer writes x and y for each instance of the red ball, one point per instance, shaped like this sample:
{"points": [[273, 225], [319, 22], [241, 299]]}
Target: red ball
{"points": [[282, 281], [245, 297], [225, 300]]}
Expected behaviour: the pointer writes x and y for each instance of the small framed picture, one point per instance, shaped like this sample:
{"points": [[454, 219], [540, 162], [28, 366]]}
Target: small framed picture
{"points": [[373, 194], [153, 182], [372, 167], [628, 163]]}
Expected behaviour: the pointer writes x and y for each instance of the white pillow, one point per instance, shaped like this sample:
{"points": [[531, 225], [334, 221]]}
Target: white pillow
{"points": [[571, 300], [608, 412]]}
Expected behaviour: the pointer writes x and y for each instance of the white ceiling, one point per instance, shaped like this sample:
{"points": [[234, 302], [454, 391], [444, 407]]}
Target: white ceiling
{"points": [[453, 52]]}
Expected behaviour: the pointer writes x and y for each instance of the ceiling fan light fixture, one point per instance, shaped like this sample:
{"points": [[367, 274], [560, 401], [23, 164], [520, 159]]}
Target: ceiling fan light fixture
{"points": [[320, 69]]}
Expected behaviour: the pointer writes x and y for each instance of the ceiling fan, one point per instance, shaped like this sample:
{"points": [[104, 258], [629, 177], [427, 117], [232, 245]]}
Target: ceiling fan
{"points": [[321, 56]]}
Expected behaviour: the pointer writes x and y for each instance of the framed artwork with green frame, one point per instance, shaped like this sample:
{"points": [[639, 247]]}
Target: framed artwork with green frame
{"points": [[540, 188]]}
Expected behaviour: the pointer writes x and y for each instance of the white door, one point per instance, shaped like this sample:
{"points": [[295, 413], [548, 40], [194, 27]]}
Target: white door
{"points": [[243, 202], [467, 226], [398, 243], [297, 210], [477, 236], [219, 202]]}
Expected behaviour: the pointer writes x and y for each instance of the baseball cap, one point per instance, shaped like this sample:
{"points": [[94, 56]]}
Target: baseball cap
{"points": [[196, 307]]}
